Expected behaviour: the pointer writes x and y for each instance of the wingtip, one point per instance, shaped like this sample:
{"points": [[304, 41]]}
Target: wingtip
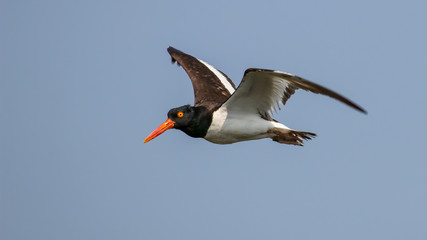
{"points": [[360, 109], [171, 50]]}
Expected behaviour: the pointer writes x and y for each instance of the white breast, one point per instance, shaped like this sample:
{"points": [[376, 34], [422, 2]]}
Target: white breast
{"points": [[235, 126]]}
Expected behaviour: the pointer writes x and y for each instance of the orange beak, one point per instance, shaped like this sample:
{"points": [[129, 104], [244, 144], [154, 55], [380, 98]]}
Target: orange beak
{"points": [[165, 126]]}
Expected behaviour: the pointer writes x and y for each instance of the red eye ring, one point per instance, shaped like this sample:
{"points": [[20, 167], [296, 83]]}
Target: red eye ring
{"points": [[180, 114]]}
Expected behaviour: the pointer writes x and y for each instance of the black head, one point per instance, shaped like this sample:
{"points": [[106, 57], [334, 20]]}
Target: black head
{"points": [[182, 116], [194, 121]]}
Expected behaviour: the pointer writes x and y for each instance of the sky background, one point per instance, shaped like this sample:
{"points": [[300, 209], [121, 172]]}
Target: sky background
{"points": [[82, 83]]}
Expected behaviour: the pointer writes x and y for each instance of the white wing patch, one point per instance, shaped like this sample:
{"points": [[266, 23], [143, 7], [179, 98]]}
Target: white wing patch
{"points": [[221, 77], [258, 93], [262, 90]]}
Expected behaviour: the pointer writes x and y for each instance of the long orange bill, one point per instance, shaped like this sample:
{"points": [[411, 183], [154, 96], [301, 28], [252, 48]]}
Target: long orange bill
{"points": [[165, 126]]}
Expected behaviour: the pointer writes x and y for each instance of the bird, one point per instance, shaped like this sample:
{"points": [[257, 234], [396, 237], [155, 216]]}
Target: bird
{"points": [[224, 114]]}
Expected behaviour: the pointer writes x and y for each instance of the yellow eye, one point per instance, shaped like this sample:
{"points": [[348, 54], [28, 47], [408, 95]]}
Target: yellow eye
{"points": [[180, 114]]}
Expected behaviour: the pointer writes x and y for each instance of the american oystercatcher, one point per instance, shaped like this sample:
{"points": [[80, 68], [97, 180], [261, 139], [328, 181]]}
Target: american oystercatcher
{"points": [[223, 114]]}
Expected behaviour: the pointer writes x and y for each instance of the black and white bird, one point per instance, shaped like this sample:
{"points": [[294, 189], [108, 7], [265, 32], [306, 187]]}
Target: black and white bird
{"points": [[223, 114]]}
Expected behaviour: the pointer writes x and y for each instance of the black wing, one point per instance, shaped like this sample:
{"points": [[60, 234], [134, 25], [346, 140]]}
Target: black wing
{"points": [[211, 86]]}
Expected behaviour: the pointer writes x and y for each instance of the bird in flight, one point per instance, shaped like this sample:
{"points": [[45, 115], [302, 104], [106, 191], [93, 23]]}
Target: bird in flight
{"points": [[224, 114]]}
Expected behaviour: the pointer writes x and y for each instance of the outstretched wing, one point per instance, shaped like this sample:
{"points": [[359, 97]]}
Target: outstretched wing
{"points": [[262, 90], [211, 86]]}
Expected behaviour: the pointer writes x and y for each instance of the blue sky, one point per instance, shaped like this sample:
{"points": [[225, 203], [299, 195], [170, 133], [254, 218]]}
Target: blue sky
{"points": [[82, 83]]}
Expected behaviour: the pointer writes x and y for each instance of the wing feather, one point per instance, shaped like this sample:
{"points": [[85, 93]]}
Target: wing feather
{"points": [[211, 86], [262, 90]]}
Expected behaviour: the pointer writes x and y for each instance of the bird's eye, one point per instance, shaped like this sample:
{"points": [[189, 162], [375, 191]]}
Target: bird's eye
{"points": [[180, 114]]}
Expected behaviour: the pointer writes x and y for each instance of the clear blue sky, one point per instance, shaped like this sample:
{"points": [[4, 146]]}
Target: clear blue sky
{"points": [[82, 83]]}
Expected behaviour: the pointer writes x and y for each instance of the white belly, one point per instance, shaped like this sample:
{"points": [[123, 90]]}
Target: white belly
{"points": [[231, 127]]}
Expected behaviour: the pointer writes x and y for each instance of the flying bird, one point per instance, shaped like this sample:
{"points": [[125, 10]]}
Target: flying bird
{"points": [[223, 114]]}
